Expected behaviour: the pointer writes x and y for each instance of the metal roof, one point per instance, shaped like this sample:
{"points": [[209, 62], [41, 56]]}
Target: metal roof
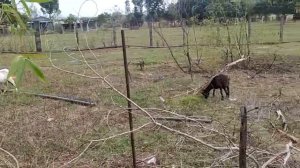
{"points": [[41, 19]]}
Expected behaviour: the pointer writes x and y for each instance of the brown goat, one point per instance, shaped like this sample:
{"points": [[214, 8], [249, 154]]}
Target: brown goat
{"points": [[219, 81]]}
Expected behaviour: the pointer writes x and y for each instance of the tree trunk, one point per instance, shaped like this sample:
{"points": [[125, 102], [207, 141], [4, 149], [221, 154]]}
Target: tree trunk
{"points": [[150, 26], [281, 28], [38, 42]]}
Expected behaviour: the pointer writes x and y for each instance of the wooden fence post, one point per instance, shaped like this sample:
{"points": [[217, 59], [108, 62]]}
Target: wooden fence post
{"points": [[37, 37], [282, 20], [77, 37], [114, 34], [243, 138], [128, 96]]}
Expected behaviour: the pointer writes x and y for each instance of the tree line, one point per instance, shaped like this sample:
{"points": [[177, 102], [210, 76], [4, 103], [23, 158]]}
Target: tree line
{"points": [[198, 10]]}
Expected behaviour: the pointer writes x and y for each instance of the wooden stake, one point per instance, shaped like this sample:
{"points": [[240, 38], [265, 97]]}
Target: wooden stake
{"points": [[128, 96], [243, 138], [38, 42]]}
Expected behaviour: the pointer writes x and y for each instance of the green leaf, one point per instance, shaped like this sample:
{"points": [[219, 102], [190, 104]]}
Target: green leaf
{"points": [[26, 7], [18, 66], [13, 14], [39, 1], [35, 69], [17, 69]]}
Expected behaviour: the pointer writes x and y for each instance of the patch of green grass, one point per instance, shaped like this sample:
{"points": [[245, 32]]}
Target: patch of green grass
{"points": [[117, 146], [108, 97], [189, 105], [147, 97], [191, 101]]}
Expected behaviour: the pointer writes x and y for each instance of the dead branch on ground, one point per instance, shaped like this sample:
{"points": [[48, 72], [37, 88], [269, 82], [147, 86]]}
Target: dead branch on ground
{"points": [[286, 135], [12, 156], [282, 117], [286, 152], [183, 119]]}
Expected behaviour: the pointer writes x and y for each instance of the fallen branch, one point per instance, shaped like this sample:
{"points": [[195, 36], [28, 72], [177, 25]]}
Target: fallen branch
{"points": [[70, 100], [12, 156], [152, 47], [217, 148], [243, 58], [74, 101], [280, 115], [177, 119], [286, 152], [98, 48], [290, 137]]}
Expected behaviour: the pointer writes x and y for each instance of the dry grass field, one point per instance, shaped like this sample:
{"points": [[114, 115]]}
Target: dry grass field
{"points": [[50, 133]]}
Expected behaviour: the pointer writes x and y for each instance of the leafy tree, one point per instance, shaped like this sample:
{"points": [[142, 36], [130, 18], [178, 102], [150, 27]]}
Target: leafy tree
{"points": [[262, 8], [103, 18], [192, 8], [225, 9], [154, 8], [137, 18], [275, 7], [50, 7], [10, 15], [171, 13], [5, 2], [71, 19], [138, 5]]}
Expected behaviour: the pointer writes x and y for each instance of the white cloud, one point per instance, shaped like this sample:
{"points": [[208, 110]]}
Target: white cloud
{"points": [[89, 8]]}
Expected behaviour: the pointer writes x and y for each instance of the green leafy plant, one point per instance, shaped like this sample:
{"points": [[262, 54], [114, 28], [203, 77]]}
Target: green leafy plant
{"points": [[18, 66]]}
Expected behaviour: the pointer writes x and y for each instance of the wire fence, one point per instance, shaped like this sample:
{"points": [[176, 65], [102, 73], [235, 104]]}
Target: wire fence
{"points": [[202, 35]]}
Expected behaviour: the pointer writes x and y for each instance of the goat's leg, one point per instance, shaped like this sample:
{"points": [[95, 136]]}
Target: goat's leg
{"points": [[214, 92], [221, 94], [227, 92]]}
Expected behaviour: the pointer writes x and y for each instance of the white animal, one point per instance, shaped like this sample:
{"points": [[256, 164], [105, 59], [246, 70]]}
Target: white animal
{"points": [[3, 78]]}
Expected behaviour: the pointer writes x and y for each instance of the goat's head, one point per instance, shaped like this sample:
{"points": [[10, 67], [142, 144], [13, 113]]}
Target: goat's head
{"points": [[205, 93]]}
